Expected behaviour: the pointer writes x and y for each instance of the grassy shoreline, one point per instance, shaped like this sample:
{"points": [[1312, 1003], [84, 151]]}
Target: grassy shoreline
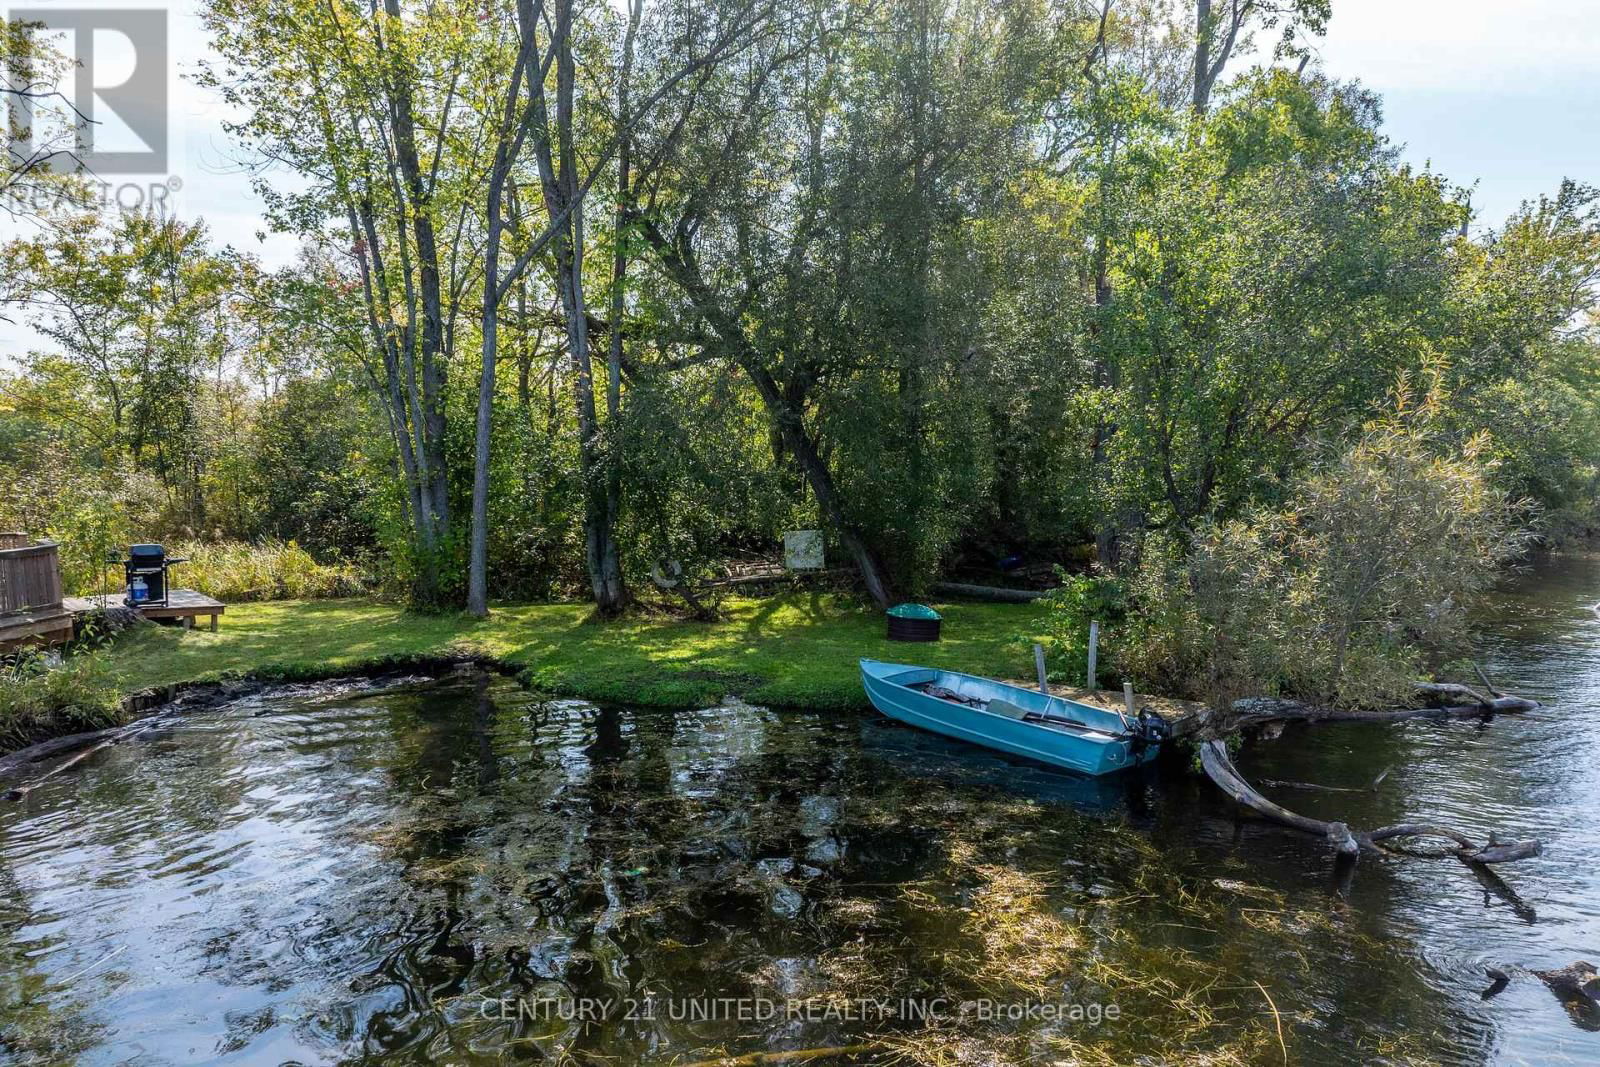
{"points": [[796, 650]]}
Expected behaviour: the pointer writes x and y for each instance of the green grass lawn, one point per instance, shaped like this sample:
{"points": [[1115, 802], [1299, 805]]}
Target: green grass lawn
{"points": [[797, 650]]}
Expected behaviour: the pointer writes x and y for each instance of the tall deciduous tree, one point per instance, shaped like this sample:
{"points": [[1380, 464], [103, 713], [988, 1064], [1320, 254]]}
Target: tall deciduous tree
{"points": [[1221, 27], [546, 118], [365, 104]]}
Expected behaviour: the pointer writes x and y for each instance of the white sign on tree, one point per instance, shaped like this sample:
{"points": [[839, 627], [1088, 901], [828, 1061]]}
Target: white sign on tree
{"points": [[802, 550]]}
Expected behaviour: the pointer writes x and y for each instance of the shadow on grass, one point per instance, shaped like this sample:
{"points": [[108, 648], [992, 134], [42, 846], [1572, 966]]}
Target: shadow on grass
{"points": [[798, 649]]}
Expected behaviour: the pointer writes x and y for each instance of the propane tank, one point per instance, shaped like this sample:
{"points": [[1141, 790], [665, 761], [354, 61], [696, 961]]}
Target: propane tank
{"points": [[138, 590]]}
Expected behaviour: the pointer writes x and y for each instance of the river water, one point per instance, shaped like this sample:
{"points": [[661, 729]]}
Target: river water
{"points": [[452, 871]]}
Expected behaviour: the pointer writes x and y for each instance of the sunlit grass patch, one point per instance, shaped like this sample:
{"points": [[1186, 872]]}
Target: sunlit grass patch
{"points": [[792, 651]]}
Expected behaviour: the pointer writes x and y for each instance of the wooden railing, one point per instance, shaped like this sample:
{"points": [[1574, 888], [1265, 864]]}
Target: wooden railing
{"points": [[30, 578], [11, 539]]}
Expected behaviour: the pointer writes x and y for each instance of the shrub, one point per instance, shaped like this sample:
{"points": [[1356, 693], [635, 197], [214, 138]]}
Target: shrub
{"points": [[1333, 598], [43, 696], [1079, 600]]}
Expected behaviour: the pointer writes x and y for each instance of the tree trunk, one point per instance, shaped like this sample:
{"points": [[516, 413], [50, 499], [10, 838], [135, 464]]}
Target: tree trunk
{"points": [[1202, 56], [791, 424], [789, 421], [564, 199], [599, 540], [431, 340], [478, 563], [619, 265], [508, 141]]}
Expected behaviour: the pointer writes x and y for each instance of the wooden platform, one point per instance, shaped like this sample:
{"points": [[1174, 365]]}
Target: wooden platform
{"points": [[45, 626], [31, 611], [185, 605]]}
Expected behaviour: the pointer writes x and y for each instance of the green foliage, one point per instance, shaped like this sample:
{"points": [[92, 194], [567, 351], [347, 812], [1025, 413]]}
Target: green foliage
{"points": [[41, 697], [953, 282], [307, 464], [234, 571], [92, 513], [1268, 295], [1377, 555], [1079, 600]]}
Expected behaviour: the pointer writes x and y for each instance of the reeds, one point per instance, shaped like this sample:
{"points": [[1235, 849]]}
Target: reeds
{"points": [[238, 571]]}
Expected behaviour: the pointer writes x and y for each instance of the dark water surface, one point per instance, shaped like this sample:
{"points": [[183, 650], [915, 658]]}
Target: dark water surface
{"points": [[448, 871]]}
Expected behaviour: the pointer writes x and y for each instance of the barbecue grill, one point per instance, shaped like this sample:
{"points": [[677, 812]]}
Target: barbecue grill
{"points": [[150, 564]]}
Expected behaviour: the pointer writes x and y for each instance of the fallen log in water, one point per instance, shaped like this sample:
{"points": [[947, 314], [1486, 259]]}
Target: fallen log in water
{"points": [[1256, 711], [1214, 758], [1220, 769], [22, 791], [1576, 986], [1496, 851], [1437, 701]]}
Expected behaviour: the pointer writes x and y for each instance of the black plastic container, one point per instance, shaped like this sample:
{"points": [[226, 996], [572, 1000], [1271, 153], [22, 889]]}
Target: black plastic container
{"points": [[913, 622]]}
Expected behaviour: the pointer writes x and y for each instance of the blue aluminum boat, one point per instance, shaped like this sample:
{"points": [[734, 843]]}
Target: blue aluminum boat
{"points": [[1023, 722]]}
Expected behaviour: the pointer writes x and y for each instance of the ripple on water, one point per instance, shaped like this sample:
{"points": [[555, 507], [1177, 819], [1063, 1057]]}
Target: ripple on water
{"points": [[336, 873]]}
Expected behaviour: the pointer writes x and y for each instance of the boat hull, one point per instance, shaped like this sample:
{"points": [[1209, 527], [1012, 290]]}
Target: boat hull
{"points": [[1098, 748]]}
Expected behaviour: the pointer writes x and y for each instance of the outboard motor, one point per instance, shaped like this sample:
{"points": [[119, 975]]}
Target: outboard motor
{"points": [[1152, 727], [1148, 729]]}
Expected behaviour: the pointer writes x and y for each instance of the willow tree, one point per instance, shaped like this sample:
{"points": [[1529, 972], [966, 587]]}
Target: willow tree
{"points": [[812, 220]]}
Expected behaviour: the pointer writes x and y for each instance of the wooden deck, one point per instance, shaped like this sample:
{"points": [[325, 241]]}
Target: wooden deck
{"points": [[184, 605], [31, 611], [45, 626]]}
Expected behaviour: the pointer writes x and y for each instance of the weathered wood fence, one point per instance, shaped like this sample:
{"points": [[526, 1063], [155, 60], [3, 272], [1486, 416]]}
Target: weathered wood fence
{"points": [[30, 575]]}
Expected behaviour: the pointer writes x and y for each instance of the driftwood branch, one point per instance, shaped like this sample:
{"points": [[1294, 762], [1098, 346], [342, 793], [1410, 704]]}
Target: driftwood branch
{"points": [[1315, 788], [1219, 767], [1445, 700], [1214, 758], [1576, 986], [1484, 678], [1495, 851]]}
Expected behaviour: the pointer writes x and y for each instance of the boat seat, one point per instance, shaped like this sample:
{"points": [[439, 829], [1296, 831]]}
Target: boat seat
{"points": [[1008, 709]]}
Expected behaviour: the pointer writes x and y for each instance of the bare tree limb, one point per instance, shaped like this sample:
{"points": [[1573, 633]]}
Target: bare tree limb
{"points": [[1219, 767]]}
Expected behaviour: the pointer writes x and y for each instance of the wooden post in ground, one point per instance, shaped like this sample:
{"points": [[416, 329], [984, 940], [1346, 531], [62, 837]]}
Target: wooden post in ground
{"points": [[1094, 654], [1038, 665], [1131, 716]]}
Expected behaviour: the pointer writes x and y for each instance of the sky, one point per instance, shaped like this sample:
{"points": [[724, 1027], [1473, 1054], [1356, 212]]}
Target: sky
{"points": [[1501, 97]]}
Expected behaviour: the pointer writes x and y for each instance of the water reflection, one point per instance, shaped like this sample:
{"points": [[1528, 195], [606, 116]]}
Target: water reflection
{"points": [[427, 872]]}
